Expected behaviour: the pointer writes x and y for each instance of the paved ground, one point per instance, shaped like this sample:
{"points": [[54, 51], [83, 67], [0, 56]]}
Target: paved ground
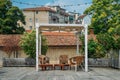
{"points": [[29, 73]]}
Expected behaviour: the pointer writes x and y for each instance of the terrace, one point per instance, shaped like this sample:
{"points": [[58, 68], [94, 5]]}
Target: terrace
{"points": [[29, 73]]}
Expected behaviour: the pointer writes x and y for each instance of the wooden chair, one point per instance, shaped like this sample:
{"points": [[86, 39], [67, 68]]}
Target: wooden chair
{"points": [[76, 61], [63, 59], [44, 59], [44, 62]]}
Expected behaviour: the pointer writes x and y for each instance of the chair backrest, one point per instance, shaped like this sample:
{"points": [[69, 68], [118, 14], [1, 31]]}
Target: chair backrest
{"points": [[63, 59], [44, 59], [79, 59], [76, 60]]}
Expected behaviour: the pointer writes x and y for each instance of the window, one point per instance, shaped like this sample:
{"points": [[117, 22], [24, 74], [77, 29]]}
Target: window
{"points": [[50, 14], [36, 12], [36, 20], [30, 20], [30, 27], [15, 54]]}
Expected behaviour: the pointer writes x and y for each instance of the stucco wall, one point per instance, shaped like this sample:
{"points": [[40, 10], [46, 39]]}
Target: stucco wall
{"points": [[21, 54], [55, 52], [41, 16], [3, 55]]}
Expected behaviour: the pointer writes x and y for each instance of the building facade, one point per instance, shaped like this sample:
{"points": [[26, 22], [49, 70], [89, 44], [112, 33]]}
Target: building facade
{"points": [[59, 43], [50, 14]]}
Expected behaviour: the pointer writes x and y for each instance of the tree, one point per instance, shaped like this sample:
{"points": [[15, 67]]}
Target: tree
{"points": [[28, 44], [9, 17], [92, 45], [118, 43], [11, 44], [105, 15], [106, 23], [95, 50], [106, 40]]}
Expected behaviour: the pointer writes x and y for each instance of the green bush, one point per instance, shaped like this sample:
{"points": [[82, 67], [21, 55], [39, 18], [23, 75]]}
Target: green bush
{"points": [[95, 50], [28, 44]]}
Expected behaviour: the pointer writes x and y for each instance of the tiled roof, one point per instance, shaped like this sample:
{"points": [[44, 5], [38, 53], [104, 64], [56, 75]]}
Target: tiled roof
{"points": [[15, 38], [60, 38], [53, 38], [82, 16], [39, 9], [28, 31]]}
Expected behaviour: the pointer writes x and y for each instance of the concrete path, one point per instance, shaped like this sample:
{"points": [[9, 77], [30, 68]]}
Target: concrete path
{"points": [[29, 73]]}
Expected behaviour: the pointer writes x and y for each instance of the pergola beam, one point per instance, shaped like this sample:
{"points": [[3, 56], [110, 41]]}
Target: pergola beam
{"points": [[62, 25]]}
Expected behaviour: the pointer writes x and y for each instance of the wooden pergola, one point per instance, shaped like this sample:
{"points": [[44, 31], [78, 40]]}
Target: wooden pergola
{"points": [[61, 27]]}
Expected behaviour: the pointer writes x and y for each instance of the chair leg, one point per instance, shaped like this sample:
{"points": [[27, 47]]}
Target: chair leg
{"points": [[81, 67], [75, 68], [69, 67]]}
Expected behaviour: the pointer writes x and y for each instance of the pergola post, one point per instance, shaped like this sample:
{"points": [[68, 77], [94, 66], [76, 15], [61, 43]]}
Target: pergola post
{"points": [[77, 51], [37, 45], [40, 43], [86, 48]]}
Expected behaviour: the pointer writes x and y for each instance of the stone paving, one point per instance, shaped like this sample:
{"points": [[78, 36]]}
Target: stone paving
{"points": [[29, 73]]}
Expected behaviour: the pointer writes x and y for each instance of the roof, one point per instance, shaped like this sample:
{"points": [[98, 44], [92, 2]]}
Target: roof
{"points": [[28, 31], [3, 39], [60, 38], [53, 38], [39, 9], [82, 16]]}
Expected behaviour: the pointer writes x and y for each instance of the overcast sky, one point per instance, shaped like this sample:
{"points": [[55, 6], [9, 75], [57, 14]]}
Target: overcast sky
{"points": [[70, 5]]}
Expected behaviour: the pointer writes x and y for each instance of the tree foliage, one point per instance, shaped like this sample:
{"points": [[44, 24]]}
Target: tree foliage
{"points": [[91, 48], [106, 40], [9, 17], [28, 44], [95, 50], [106, 24], [105, 15]]}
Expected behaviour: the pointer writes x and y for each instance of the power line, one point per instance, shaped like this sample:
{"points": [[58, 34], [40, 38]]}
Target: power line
{"points": [[25, 3], [19, 2]]}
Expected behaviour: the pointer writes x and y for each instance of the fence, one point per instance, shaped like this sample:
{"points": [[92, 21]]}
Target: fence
{"points": [[99, 62], [115, 59], [18, 62], [31, 62]]}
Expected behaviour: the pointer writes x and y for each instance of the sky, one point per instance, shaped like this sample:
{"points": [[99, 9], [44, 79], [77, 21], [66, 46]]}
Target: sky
{"points": [[70, 5]]}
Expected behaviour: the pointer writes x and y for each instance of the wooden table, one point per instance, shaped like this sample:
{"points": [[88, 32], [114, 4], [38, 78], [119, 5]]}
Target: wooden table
{"points": [[62, 66], [66, 65], [45, 66], [58, 65]]}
